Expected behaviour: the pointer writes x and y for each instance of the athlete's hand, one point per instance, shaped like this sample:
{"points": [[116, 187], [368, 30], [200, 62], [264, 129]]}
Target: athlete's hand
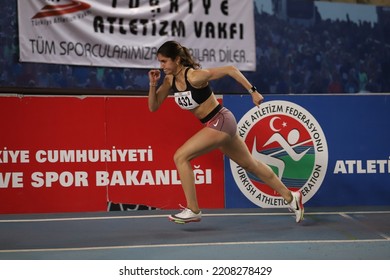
{"points": [[257, 98], [154, 76]]}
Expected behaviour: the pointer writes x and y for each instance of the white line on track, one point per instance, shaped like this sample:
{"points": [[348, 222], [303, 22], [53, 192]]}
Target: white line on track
{"points": [[344, 213], [147, 246]]}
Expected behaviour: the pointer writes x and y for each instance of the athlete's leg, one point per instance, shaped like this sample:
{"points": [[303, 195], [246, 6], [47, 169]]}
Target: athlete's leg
{"points": [[202, 142], [237, 151]]}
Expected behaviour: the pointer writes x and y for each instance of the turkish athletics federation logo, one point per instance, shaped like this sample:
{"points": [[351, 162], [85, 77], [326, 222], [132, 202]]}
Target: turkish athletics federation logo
{"points": [[290, 141]]}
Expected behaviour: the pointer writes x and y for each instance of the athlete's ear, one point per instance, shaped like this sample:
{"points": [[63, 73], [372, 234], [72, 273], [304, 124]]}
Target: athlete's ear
{"points": [[177, 60]]}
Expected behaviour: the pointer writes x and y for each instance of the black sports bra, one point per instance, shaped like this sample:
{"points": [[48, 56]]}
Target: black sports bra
{"points": [[191, 97]]}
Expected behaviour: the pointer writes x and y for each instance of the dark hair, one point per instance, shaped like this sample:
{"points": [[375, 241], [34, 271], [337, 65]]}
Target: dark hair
{"points": [[173, 49]]}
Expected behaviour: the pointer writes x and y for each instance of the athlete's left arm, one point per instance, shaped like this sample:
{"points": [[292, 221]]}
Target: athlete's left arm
{"points": [[201, 77]]}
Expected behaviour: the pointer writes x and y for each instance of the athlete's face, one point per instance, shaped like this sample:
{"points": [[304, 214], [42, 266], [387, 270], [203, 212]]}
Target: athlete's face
{"points": [[167, 64]]}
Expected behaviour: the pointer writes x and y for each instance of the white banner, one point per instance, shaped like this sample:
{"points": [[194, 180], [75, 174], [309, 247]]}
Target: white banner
{"points": [[127, 33]]}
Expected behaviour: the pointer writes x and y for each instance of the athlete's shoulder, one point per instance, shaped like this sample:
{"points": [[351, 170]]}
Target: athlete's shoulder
{"points": [[198, 77], [168, 79]]}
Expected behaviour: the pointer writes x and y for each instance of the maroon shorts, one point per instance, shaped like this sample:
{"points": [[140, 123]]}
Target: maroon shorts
{"points": [[221, 119]]}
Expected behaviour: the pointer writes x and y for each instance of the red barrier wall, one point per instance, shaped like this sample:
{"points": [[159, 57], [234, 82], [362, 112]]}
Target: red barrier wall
{"points": [[67, 154]]}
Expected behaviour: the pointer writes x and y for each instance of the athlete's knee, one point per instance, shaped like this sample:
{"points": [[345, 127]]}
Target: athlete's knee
{"points": [[250, 166], [179, 156], [263, 171], [267, 174], [176, 157]]}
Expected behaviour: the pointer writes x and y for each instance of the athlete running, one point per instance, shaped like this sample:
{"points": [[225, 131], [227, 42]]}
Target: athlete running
{"points": [[192, 92]]}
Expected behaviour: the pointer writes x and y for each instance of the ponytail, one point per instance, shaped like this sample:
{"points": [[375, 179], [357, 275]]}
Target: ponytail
{"points": [[173, 49]]}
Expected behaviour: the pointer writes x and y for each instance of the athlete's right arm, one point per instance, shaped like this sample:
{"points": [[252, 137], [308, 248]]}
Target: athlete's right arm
{"points": [[157, 94]]}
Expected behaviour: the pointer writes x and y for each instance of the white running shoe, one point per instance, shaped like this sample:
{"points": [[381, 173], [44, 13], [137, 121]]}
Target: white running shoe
{"points": [[296, 206], [185, 216]]}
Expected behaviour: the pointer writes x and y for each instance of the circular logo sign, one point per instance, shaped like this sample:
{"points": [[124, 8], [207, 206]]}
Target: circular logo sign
{"points": [[290, 141]]}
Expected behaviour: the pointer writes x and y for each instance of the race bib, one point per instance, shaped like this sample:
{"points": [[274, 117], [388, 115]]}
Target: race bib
{"points": [[185, 101]]}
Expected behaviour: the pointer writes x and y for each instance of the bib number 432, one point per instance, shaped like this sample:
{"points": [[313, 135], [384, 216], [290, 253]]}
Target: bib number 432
{"points": [[184, 101]]}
